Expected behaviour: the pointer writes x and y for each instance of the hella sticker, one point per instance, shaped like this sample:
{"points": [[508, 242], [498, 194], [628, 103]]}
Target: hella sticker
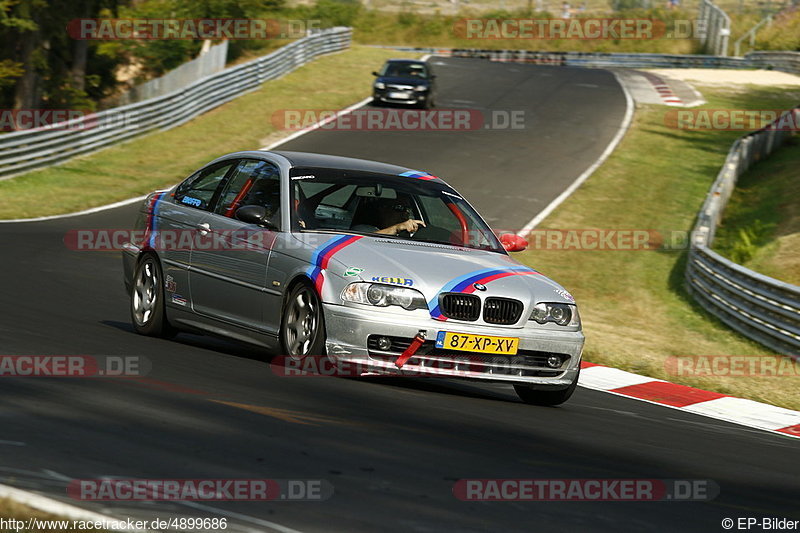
{"points": [[406, 282]]}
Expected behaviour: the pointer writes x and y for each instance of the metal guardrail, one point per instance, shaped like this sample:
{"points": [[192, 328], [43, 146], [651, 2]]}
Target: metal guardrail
{"points": [[762, 308], [22, 151], [206, 64], [784, 61], [716, 27]]}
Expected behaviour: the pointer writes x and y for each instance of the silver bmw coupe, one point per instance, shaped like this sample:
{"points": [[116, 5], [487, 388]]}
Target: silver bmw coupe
{"points": [[358, 262]]}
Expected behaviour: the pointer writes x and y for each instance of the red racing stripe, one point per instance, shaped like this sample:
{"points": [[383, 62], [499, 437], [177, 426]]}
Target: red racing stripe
{"points": [[327, 257]]}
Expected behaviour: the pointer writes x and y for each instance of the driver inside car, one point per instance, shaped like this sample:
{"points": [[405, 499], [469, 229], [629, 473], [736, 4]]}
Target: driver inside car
{"points": [[392, 215]]}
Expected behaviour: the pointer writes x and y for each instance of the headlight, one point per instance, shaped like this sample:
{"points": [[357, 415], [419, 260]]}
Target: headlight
{"points": [[384, 295], [380, 85], [561, 314], [421, 88]]}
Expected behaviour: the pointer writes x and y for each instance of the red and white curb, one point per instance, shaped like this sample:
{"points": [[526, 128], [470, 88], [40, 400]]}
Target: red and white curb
{"points": [[706, 403], [663, 89]]}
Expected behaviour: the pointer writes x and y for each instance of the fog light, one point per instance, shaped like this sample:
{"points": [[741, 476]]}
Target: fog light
{"points": [[554, 361], [384, 344]]}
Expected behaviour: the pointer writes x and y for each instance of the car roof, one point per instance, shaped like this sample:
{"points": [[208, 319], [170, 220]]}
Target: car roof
{"points": [[306, 159], [405, 61]]}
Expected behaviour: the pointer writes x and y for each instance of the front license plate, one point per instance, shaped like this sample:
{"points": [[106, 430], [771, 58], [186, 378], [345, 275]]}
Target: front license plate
{"points": [[399, 96], [467, 342]]}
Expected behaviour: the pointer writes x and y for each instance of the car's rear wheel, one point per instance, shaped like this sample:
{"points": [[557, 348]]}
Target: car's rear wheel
{"points": [[546, 397], [303, 324], [148, 313]]}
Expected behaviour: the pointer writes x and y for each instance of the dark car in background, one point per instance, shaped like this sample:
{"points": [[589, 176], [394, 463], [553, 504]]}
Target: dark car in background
{"points": [[404, 82]]}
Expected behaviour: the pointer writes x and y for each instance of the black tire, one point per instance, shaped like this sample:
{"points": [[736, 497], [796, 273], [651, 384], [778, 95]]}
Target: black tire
{"points": [[546, 397], [302, 331], [148, 313]]}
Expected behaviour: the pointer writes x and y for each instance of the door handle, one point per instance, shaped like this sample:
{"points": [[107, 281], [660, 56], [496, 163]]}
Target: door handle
{"points": [[203, 228]]}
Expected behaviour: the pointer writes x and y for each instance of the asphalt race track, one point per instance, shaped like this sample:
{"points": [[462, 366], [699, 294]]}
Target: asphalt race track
{"points": [[509, 175], [392, 449]]}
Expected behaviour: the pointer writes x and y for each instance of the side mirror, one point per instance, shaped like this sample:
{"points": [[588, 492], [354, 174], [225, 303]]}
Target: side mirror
{"points": [[375, 73], [513, 242], [255, 214]]}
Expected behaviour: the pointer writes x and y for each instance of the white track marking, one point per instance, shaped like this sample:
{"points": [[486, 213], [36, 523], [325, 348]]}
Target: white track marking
{"points": [[79, 213], [626, 122], [317, 125], [238, 516], [746, 412], [607, 378], [65, 510]]}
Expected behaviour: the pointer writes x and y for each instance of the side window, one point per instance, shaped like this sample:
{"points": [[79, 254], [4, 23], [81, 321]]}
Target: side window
{"points": [[253, 182], [198, 191]]}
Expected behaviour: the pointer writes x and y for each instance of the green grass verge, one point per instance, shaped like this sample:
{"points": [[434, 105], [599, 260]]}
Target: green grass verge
{"points": [[761, 227], [11, 510], [436, 30], [635, 309], [164, 158]]}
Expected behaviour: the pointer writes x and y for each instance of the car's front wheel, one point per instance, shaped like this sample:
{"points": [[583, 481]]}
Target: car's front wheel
{"points": [[303, 325], [148, 313], [546, 397]]}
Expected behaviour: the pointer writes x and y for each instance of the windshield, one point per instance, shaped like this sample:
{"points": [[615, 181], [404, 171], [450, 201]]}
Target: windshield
{"points": [[399, 207], [398, 69]]}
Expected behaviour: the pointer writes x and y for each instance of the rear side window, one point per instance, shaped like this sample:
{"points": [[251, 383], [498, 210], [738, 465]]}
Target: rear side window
{"points": [[198, 190]]}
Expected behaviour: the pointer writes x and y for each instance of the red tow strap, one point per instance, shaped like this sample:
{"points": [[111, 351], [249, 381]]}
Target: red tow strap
{"points": [[410, 351]]}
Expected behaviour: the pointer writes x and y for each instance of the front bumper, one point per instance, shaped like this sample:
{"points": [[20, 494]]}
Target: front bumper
{"points": [[348, 330], [391, 96]]}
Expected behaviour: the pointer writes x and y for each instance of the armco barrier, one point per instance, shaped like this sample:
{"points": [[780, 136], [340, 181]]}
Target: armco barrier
{"points": [[22, 151], [785, 61], [206, 64], [762, 308]]}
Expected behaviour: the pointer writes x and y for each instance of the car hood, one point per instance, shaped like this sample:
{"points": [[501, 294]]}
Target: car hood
{"points": [[430, 268]]}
